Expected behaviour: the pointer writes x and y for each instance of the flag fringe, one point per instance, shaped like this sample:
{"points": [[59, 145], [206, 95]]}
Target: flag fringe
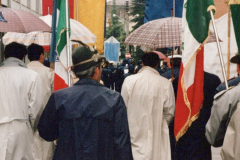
{"points": [[62, 31], [186, 100], [234, 2], [66, 69], [187, 125]]}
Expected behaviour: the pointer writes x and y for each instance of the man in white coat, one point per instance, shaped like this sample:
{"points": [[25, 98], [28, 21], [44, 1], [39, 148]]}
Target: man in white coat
{"points": [[20, 105], [43, 150], [150, 103]]}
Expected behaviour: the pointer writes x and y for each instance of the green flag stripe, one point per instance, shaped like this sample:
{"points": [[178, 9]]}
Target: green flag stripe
{"points": [[61, 27], [235, 10], [198, 18]]}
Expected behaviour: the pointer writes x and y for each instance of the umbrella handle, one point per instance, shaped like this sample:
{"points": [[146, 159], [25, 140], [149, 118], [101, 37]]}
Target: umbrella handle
{"points": [[172, 64]]}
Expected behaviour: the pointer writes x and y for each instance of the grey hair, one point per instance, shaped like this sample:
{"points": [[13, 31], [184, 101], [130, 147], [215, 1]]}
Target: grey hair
{"points": [[87, 73]]}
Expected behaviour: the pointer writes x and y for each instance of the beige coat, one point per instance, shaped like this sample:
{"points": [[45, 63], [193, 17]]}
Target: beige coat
{"points": [[150, 103], [43, 150], [231, 143], [19, 101]]}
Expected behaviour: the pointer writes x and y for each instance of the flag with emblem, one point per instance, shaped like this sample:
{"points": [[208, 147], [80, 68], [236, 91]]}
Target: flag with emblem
{"points": [[196, 20], [62, 63]]}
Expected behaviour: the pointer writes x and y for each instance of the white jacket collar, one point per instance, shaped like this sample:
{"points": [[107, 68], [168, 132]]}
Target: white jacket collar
{"points": [[147, 68]]}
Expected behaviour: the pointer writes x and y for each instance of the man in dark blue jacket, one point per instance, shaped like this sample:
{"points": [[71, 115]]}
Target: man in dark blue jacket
{"points": [[88, 119]]}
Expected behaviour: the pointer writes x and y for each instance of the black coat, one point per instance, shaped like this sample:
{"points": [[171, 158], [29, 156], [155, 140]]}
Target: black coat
{"points": [[193, 144], [89, 121]]}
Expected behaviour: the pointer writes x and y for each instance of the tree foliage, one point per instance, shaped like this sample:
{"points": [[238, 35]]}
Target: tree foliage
{"points": [[116, 29], [137, 7]]}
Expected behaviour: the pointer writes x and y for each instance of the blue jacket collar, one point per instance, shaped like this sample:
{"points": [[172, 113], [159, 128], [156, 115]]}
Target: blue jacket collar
{"points": [[88, 81]]}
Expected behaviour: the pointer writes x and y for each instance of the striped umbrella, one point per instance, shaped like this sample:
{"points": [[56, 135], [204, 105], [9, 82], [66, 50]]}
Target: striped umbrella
{"points": [[78, 31], [41, 38], [15, 20], [160, 33]]}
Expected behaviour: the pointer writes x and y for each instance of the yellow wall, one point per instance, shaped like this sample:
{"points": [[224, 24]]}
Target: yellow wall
{"points": [[91, 13]]}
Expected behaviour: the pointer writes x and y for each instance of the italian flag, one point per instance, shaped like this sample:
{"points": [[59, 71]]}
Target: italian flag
{"points": [[235, 12], [196, 21], [61, 63]]}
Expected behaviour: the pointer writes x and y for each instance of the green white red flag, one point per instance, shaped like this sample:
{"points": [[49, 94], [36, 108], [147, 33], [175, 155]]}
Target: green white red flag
{"points": [[196, 20], [61, 63]]}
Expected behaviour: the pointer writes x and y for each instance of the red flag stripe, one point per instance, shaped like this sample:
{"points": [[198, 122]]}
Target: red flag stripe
{"points": [[59, 83], [189, 102]]}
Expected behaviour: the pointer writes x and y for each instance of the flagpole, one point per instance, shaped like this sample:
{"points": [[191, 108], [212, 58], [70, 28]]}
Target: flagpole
{"points": [[173, 47], [219, 50], [174, 8], [68, 44], [228, 57]]}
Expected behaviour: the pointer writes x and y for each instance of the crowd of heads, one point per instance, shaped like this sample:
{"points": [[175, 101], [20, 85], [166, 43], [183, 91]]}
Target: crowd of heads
{"points": [[15, 50], [34, 52], [19, 51], [86, 60]]}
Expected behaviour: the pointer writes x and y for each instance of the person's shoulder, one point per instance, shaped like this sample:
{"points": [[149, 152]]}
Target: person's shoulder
{"points": [[30, 71], [231, 82], [211, 80], [211, 76], [62, 92], [166, 73], [165, 79], [31, 74], [133, 77], [47, 69], [234, 81], [233, 90], [108, 93]]}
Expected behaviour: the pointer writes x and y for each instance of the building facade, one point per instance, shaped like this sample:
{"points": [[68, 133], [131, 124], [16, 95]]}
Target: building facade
{"points": [[122, 8], [33, 6]]}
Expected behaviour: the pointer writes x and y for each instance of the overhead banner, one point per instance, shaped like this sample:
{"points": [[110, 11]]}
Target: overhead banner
{"points": [[156, 9]]}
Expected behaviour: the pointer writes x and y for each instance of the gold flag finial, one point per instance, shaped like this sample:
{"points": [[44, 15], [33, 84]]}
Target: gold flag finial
{"points": [[234, 2]]}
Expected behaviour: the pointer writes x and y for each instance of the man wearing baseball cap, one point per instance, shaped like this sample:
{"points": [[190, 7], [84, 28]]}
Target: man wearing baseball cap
{"points": [[233, 81], [88, 119]]}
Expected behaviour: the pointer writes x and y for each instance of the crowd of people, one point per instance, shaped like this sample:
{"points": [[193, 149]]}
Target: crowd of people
{"points": [[129, 116], [114, 76]]}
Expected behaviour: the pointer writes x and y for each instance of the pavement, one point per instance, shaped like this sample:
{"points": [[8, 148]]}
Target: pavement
{"points": [[216, 153]]}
